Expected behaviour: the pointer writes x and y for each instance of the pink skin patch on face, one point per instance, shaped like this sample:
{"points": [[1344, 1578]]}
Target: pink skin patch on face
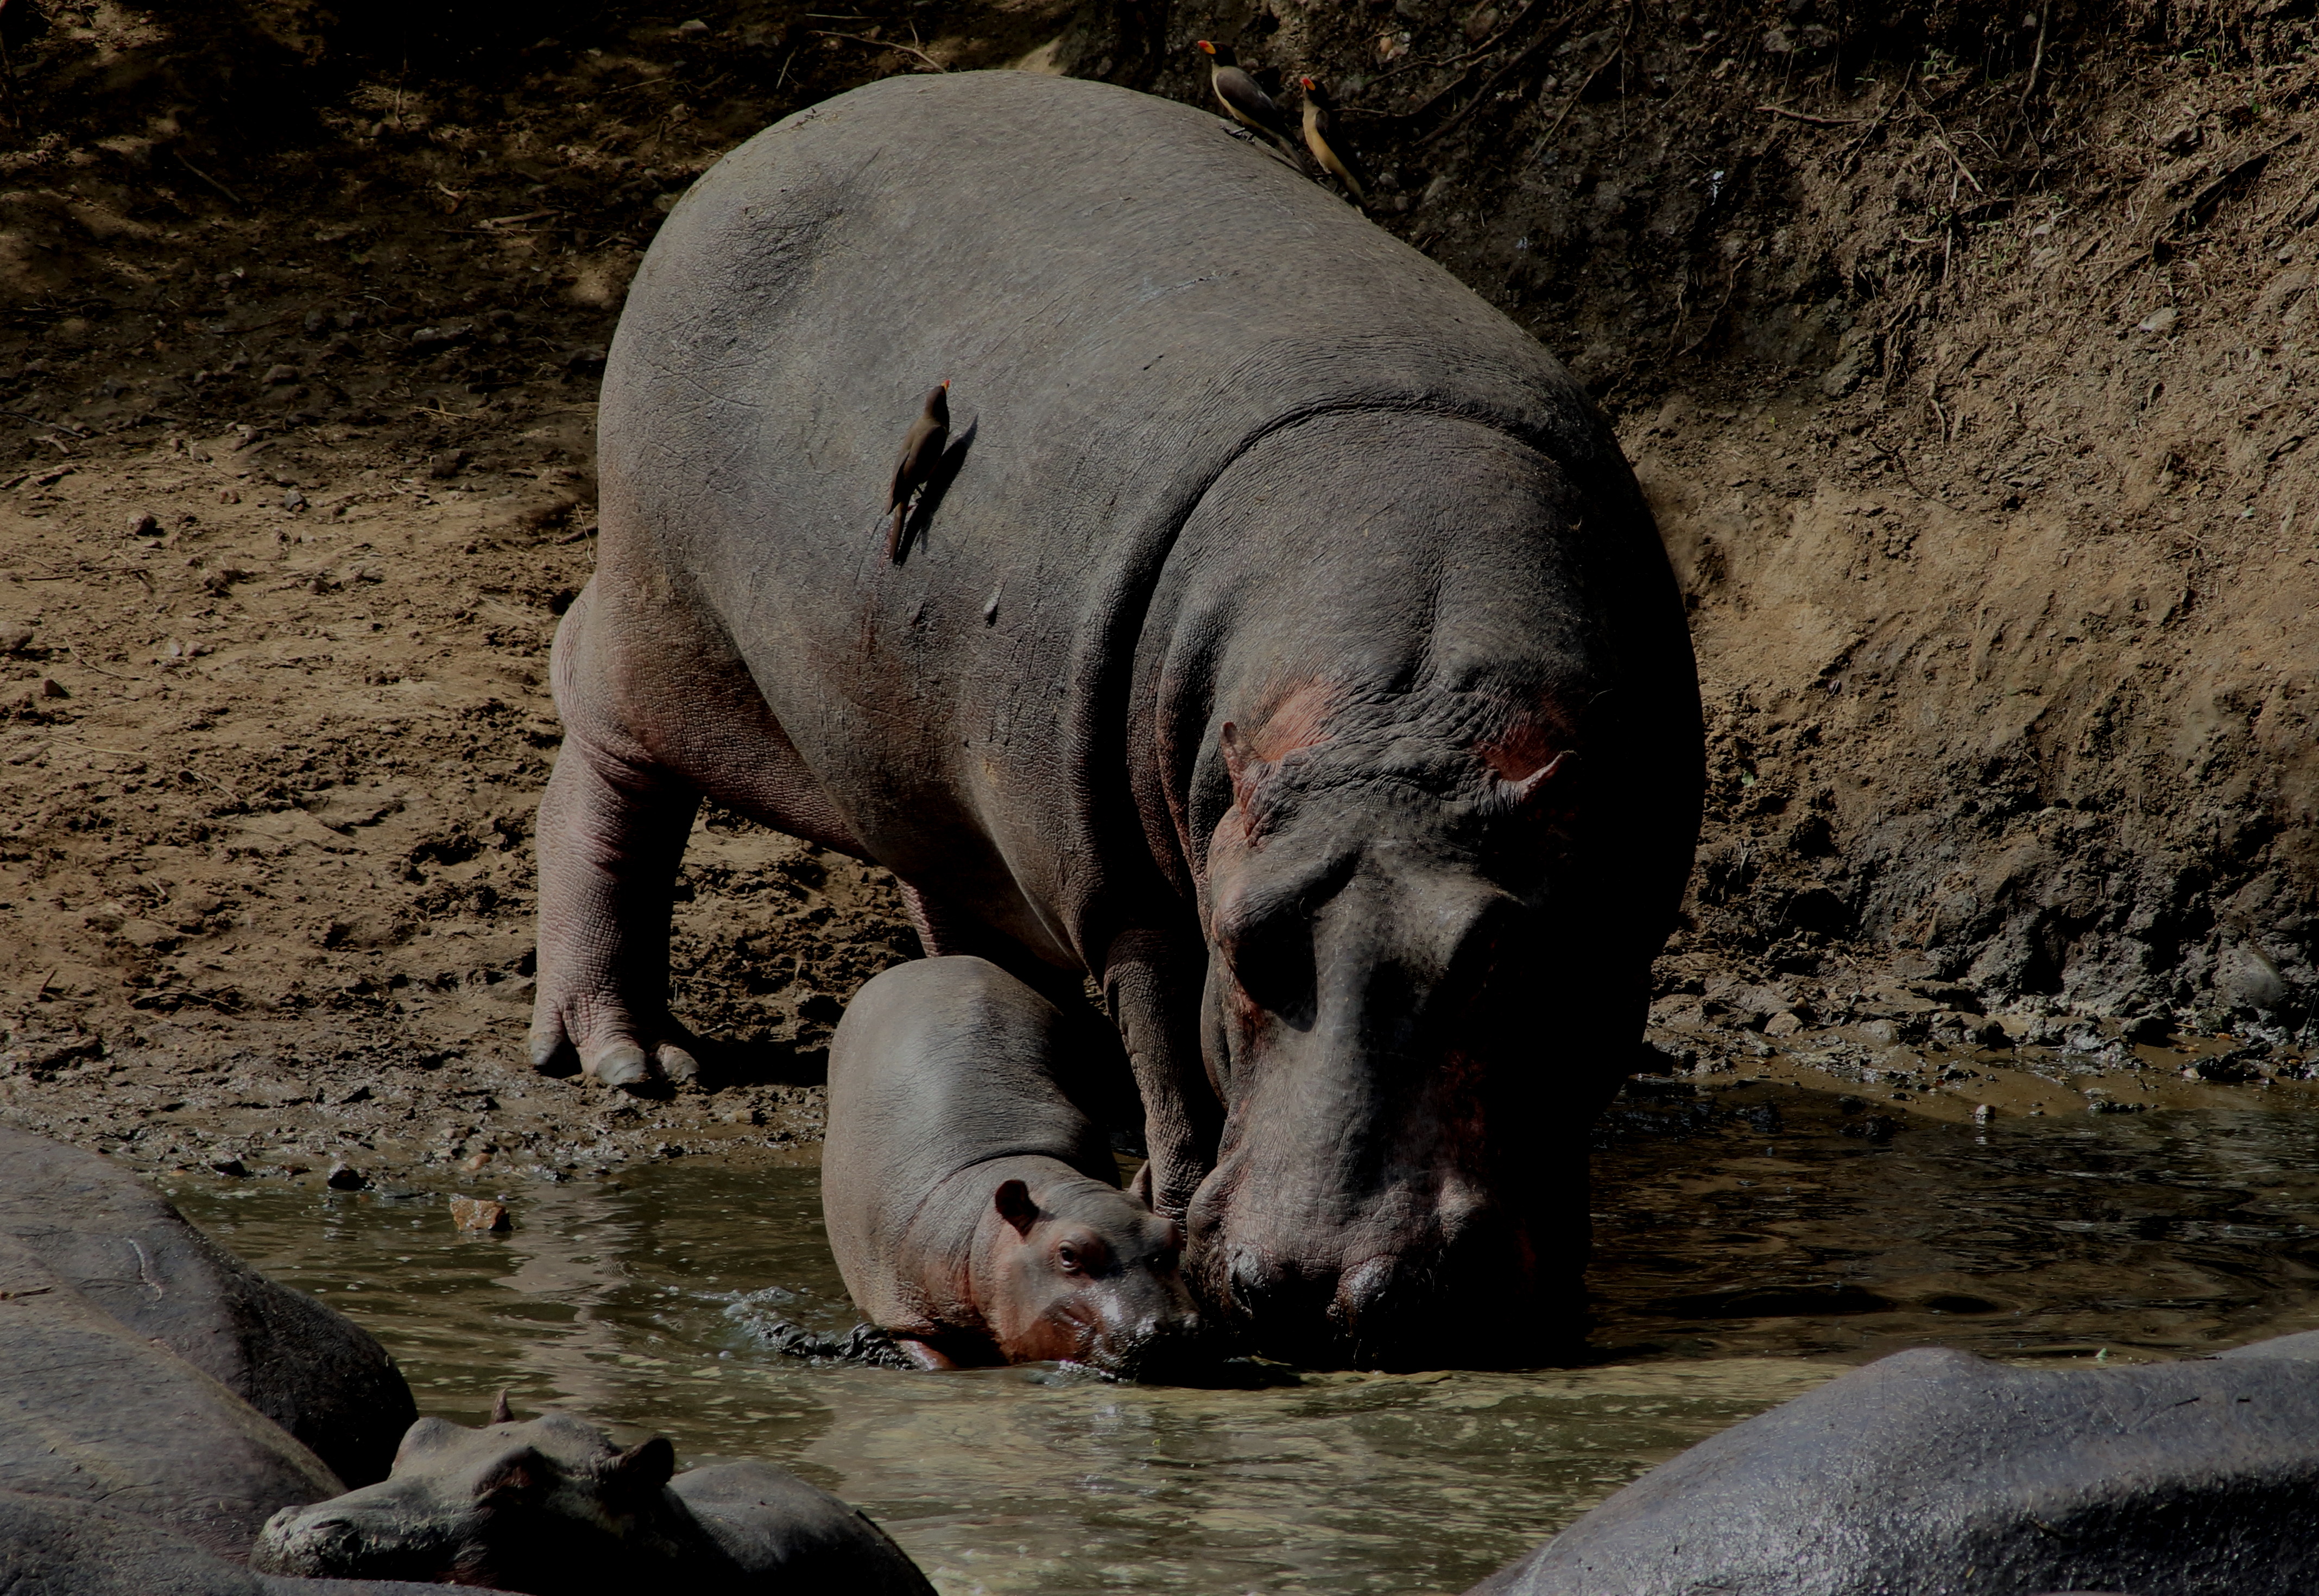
{"points": [[1522, 750], [1297, 719]]}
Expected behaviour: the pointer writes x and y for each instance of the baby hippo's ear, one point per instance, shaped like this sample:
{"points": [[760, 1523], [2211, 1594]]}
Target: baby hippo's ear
{"points": [[1013, 1201], [643, 1468]]}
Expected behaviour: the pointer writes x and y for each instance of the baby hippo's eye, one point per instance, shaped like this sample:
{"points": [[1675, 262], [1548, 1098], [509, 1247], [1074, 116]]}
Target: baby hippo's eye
{"points": [[1067, 1258]]}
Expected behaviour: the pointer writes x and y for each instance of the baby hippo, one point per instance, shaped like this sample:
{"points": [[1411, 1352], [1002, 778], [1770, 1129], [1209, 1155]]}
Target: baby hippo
{"points": [[973, 1208], [552, 1508]]}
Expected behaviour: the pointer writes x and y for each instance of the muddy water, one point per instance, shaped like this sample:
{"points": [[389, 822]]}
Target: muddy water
{"points": [[1751, 1244]]}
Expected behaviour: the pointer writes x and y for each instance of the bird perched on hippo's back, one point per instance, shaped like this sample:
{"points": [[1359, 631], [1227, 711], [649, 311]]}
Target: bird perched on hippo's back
{"points": [[913, 468], [1241, 94], [1326, 141]]}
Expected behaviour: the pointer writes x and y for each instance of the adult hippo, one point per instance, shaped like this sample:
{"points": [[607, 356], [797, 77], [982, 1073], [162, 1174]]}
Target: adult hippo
{"points": [[1282, 640]]}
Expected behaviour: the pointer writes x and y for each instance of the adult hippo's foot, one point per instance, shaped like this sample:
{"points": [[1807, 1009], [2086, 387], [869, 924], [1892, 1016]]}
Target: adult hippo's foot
{"points": [[611, 834]]}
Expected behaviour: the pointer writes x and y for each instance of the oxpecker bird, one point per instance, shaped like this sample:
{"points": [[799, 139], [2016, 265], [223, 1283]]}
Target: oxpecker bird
{"points": [[1241, 95], [929, 435], [1328, 145]]}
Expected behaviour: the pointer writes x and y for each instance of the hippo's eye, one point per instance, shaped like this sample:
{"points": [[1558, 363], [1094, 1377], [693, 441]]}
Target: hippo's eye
{"points": [[1272, 962], [1067, 1258]]}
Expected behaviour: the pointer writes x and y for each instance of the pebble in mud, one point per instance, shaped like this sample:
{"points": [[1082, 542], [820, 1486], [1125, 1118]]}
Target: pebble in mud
{"points": [[15, 636], [477, 1214]]}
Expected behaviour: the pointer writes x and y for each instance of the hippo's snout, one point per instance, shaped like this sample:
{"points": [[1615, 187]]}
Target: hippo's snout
{"points": [[346, 1538], [308, 1543], [1158, 1347], [1472, 1297]]}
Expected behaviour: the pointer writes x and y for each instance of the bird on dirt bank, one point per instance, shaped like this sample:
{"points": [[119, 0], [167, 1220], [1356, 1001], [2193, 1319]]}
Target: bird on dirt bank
{"points": [[929, 435], [1241, 94], [1328, 145]]}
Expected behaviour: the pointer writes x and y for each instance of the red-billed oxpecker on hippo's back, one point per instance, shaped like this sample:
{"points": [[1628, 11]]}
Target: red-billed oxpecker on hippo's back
{"points": [[974, 1210], [1284, 643]]}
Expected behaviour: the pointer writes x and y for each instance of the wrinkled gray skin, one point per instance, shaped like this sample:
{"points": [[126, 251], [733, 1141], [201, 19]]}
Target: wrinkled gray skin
{"points": [[1284, 644], [150, 1385], [551, 1507], [116, 1249], [133, 1353], [50, 1547], [972, 1206], [1934, 1473]]}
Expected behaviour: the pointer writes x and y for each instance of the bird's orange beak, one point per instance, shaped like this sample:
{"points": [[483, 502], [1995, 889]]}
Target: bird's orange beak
{"points": [[1205, 48], [1308, 85], [945, 383]]}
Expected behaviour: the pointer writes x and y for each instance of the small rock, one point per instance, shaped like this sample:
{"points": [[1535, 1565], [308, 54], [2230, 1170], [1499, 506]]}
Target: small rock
{"points": [[2159, 320], [476, 1213], [587, 360], [234, 1167], [1879, 1031], [344, 1177], [229, 495], [691, 28], [1983, 1112], [447, 464], [436, 337], [278, 375], [293, 500], [143, 525], [315, 324], [1783, 1024], [49, 687], [475, 1161], [15, 637]]}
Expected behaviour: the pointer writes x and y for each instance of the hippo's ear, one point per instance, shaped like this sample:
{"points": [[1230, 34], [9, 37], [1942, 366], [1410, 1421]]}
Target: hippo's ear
{"points": [[1242, 765], [1013, 1201], [1517, 793], [500, 1413], [643, 1468]]}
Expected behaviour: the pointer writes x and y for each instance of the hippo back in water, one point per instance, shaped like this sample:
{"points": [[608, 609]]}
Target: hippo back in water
{"points": [[1934, 1473], [1282, 640]]}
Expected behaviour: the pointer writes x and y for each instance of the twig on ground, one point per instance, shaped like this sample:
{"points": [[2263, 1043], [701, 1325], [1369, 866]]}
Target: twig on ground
{"points": [[1901, 466], [908, 50], [205, 177], [2037, 60], [1852, 150], [1617, 52], [1554, 34], [1730, 286], [1817, 122]]}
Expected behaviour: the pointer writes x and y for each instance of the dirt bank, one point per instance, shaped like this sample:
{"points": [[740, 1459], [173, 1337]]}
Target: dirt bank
{"points": [[1971, 382]]}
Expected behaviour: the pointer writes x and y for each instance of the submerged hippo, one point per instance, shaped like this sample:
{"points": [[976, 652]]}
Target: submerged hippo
{"points": [[1933, 1473], [972, 1206], [146, 1371], [158, 1400], [1281, 641], [551, 1507]]}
